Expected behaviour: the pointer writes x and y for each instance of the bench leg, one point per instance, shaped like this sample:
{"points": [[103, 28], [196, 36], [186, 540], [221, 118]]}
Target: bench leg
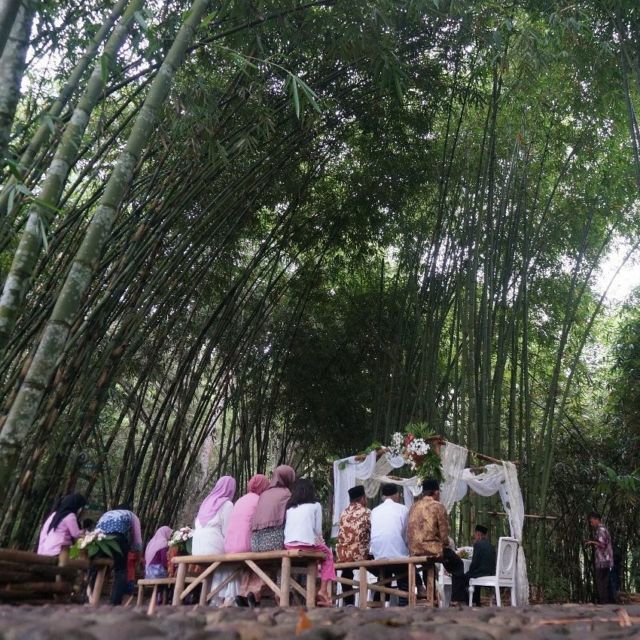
{"points": [[140, 595], [154, 600], [204, 589], [285, 582], [411, 576], [363, 587], [181, 574], [312, 571], [97, 587]]}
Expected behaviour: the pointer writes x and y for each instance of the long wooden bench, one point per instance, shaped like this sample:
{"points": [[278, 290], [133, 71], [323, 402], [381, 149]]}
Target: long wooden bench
{"points": [[285, 562], [27, 576], [362, 586]]}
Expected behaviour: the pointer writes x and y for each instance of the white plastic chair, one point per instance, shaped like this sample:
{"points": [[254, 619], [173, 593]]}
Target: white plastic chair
{"points": [[505, 572], [443, 586]]}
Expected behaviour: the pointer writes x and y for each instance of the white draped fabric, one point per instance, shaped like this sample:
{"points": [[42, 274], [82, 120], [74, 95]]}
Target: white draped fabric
{"points": [[495, 478], [453, 487], [346, 472]]}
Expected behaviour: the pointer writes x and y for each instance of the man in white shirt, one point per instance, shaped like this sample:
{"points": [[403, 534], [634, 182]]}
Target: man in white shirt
{"points": [[389, 536]]}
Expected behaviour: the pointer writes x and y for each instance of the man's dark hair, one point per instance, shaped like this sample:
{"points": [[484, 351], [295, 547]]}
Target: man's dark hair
{"points": [[88, 524], [302, 493], [595, 515], [389, 490]]}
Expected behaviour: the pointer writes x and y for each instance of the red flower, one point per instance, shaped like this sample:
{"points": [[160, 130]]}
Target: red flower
{"points": [[408, 438]]}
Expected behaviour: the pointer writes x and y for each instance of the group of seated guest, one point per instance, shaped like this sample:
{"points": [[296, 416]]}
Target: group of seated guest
{"points": [[283, 513], [279, 514], [391, 530]]}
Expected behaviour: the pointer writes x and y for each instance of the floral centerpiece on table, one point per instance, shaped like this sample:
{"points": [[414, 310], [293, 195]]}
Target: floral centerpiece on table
{"points": [[181, 540], [94, 542], [412, 445]]}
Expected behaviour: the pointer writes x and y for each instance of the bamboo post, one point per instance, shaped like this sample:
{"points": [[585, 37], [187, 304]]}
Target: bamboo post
{"points": [[97, 587], [411, 575], [181, 574], [154, 599], [363, 587], [312, 571], [285, 580]]}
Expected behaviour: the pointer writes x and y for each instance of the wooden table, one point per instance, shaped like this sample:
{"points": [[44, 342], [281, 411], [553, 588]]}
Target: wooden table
{"points": [[285, 561]]}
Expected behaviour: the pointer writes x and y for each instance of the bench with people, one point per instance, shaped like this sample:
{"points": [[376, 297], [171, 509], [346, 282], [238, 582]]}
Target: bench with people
{"points": [[391, 542]]}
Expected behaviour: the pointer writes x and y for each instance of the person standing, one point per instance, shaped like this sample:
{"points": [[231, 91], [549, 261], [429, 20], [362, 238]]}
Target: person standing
{"points": [[354, 533], [389, 536], [603, 557], [124, 526], [428, 535]]}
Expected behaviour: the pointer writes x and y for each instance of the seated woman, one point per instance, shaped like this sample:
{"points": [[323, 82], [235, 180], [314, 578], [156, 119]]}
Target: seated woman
{"points": [[303, 530], [267, 528], [61, 527], [212, 520], [211, 525], [155, 555], [238, 538]]}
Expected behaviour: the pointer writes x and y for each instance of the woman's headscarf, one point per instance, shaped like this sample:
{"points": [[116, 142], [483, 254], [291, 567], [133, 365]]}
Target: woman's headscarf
{"points": [[258, 484], [272, 504], [159, 541], [224, 490], [69, 504]]}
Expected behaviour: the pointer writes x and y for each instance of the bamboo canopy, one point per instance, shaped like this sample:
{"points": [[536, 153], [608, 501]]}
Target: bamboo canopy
{"points": [[235, 235]]}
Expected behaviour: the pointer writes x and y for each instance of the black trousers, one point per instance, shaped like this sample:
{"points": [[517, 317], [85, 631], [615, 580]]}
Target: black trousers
{"points": [[603, 586], [120, 569]]}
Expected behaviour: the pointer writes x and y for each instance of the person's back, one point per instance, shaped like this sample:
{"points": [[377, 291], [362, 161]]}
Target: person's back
{"points": [[303, 524], [61, 527], [427, 528], [124, 526], [483, 562], [354, 533], [388, 530]]}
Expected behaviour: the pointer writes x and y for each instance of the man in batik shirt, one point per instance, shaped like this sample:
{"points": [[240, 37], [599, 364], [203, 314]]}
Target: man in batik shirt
{"points": [[603, 557], [354, 534], [428, 535]]}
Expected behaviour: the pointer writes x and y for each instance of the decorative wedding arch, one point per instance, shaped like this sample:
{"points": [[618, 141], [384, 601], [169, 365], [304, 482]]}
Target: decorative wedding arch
{"points": [[502, 478]]}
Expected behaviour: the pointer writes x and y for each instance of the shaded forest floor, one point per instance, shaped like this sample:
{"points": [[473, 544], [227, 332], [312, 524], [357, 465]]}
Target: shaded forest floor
{"points": [[189, 623]]}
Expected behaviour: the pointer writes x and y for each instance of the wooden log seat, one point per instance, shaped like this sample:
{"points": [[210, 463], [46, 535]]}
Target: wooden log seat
{"points": [[285, 562], [361, 586], [30, 577]]}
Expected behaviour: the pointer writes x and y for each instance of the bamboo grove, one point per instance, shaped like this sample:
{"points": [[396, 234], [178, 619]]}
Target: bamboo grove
{"points": [[235, 234]]}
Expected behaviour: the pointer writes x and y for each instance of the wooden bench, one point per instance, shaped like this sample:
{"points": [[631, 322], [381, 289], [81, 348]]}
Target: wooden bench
{"points": [[27, 576], [155, 583], [285, 561], [362, 586]]}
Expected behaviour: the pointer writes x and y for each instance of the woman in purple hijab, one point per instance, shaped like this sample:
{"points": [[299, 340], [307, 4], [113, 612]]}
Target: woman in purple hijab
{"points": [[212, 520]]}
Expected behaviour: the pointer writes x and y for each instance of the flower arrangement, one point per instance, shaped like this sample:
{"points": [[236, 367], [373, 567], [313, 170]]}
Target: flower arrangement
{"points": [[181, 540], [416, 451], [463, 554], [94, 542]]}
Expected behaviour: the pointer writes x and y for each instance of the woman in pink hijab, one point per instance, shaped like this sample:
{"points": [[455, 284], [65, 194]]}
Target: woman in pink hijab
{"points": [[238, 538], [155, 555], [212, 521]]}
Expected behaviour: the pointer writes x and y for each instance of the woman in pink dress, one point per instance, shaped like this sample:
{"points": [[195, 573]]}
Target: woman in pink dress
{"points": [[61, 527]]}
